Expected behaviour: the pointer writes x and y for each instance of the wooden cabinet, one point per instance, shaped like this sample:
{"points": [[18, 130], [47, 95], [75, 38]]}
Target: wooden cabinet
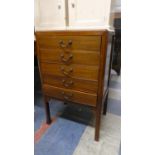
{"points": [[72, 41], [72, 14], [73, 68]]}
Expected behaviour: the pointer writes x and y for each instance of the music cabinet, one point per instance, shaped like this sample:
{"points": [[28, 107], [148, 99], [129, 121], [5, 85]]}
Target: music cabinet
{"points": [[74, 61]]}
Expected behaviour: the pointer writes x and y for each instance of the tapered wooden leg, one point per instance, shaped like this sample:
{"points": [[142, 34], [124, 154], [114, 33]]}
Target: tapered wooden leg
{"points": [[97, 124], [47, 111], [105, 105]]}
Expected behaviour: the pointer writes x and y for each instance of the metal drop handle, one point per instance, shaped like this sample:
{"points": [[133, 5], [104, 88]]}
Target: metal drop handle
{"points": [[66, 60], [67, 96], [67, 83], [66, 72], [63, 45]]}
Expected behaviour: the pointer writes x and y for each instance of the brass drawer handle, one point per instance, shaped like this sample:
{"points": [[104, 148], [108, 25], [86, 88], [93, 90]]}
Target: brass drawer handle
{"points": [[69, 43], [67, 83], [63, 45], [66, 72], [67, 96], [66, 60]]}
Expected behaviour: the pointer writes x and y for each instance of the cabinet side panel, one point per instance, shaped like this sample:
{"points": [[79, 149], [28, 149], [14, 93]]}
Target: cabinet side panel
{"points": [[102, 68], [108, 62]]}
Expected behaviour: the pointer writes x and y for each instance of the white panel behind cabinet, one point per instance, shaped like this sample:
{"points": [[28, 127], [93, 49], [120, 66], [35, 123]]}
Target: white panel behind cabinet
{"points": [[87, 13], [49, 14]]}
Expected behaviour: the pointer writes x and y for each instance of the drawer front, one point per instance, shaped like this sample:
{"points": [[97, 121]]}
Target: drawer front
{"points": [[70, 95], [74, 56], [75, 71], [70, 42], [70, 83]]}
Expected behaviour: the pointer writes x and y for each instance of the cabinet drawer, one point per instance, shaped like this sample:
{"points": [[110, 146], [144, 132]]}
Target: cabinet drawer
{"points": [[70, 95], [70, 42], [84, 57], [70, 83], [75, 71]]}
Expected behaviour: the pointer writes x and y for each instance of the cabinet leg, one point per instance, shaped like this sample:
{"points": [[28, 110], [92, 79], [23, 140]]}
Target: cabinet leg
{"points": [[47, 111], [97, 124], [118, 72], [105, 105], [65, 103]]}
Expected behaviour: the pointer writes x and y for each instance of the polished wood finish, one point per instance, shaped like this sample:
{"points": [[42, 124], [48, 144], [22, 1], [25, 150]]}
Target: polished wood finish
{"points": [[70, 42], [101, 84], [78, 56], [70, 95], [41, 34], [73, 67], [87, 86], [75, 71]]}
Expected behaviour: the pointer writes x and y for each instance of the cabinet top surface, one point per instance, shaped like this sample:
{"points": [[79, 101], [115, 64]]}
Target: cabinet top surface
{"points": [[71, 32]]}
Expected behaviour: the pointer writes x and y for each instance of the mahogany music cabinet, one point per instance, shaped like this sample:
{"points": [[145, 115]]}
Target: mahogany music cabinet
{"points": [[74, 68]]}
